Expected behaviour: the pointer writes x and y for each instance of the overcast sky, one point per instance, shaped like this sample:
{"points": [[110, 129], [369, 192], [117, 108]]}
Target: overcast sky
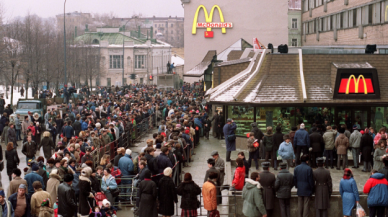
{"points": [[121, 8]]}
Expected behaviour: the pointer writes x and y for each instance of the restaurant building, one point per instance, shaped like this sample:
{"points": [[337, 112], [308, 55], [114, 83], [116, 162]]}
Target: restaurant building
{"points": [[289, 89]]}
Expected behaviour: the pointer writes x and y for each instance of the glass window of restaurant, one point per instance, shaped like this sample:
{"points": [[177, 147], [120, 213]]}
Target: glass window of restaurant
{"points": [[379, 117], [285, 117], [243, 116]]}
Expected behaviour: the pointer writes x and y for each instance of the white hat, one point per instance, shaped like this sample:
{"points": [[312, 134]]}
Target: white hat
{"points": [[54, 171], [98, 125], [302, 126], [105, 201], [167, 171], [128, 151]]}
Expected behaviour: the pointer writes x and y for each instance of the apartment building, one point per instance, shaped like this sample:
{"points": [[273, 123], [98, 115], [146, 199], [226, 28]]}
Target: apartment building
{"points": [[74, 19], [344, 22]]}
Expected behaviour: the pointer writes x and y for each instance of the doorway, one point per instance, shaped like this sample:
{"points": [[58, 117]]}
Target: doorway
{"points": [[353, 116]]}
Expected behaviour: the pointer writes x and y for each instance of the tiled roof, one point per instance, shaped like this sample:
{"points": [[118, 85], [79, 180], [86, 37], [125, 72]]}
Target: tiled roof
{"points": [[234, 62], [356, 65]]}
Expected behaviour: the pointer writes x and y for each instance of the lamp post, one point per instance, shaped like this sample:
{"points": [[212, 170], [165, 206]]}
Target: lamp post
{"points": [[64, 37], [122, 84]]}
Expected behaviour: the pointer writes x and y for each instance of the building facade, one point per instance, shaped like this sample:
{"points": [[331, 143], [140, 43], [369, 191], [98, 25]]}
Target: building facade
{"points": [[74, 19], [244, 19], [344, 22], [146, 58]]}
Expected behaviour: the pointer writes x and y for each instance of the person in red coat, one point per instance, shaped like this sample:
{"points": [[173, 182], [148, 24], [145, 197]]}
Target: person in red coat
{"points": [[239, 176]]}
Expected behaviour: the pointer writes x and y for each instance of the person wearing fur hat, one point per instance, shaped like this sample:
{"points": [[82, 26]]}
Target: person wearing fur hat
{"points": [[286, 151], [126, 167], [108, 210], [85, 191], [48, 145], [167, 194], [253, 204], [53, 183]]}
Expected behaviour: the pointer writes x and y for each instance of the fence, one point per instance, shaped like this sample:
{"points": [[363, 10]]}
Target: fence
{"points": [[128, 197], [127, 139]]}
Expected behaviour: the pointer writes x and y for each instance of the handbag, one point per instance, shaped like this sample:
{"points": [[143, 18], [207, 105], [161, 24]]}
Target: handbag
{"points": [[231, 137], [115, 192]]}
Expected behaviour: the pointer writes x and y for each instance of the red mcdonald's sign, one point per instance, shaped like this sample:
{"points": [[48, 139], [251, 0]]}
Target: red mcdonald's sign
{"points": [[360, 85]]}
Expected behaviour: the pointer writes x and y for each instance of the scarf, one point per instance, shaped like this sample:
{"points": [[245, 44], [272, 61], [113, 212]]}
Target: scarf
{"points": [[65, 169]]}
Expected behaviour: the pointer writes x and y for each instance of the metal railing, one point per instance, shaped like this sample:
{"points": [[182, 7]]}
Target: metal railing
{"points": [[126, 140]]}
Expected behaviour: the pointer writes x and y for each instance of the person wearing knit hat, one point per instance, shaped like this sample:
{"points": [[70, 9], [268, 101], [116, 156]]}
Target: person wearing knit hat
{"points": [[301, 142], [85, 191], [126, 166], [167, 193], [6, 206]]}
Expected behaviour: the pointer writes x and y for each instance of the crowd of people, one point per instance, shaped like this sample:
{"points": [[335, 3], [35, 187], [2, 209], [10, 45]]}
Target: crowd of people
{"points": [[70, 178]]}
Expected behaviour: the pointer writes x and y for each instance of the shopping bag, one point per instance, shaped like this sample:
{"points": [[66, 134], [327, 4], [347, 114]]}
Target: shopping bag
{"points": [[360, 212]]}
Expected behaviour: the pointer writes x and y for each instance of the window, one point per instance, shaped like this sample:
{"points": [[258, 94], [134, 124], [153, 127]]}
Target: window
{"points": [[305, 5], [354, 17], [140, 61], [172, 25], [370, 14], [385, 11], [243, 116], [108, 82], [115, 61], [294, 23], [125, 82], [294, 42]]}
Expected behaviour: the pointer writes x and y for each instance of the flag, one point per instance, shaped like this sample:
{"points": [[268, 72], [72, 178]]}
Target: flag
{"points": [[208, 34]]}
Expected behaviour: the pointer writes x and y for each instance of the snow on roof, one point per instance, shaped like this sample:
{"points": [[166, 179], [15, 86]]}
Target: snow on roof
{"points": [[179, 61]]}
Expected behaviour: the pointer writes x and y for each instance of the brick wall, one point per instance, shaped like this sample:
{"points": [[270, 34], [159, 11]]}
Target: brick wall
{"points": [[227, 72]]}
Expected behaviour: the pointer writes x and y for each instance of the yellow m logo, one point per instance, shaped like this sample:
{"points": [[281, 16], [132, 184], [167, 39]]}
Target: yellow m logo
{"points": [[386, 13], [352, 77], [208, 18]]}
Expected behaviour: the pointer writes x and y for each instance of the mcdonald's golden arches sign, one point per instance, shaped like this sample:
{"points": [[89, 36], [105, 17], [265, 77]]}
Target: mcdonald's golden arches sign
{"points": [[209, 24]]}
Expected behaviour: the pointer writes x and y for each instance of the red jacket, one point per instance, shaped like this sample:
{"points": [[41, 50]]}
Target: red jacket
{"points": [[239, 178]]}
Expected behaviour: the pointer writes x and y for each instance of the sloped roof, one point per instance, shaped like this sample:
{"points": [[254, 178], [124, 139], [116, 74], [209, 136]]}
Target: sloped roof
{"points": [[112, 38], [200, 69]]}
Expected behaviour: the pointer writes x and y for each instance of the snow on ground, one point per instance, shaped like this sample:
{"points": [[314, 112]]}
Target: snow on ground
{"points": [[16, 95]]}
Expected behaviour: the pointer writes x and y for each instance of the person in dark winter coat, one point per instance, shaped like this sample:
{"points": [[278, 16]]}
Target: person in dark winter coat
{"points": [[48, 145], [377, 189], [304, 182], [317, 144], [366, 148], [269, 147], [189, 192], [283, 185], [22, 193], [301, 142], [85, 191], [384, 170], [12, 134], [253, 151], [163, 160], [147, 197], [77, 126], [323, 189], [67, 206], [12, 158], [167, 194], [267, 180], [277, 140], [228, 130]]}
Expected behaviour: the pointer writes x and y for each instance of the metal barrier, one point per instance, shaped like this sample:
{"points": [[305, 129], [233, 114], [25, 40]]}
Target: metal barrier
{"points": [[128, 197], [126, 140]]}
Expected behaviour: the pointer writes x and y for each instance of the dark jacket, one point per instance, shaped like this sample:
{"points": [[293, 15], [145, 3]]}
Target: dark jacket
{"points": [[301, 138], [316, 142], [304, 180], [68, 131], [48, 146], [167, 196], [84, 192], [77, 128], [257, 132], [116, 160], [12, 136], [214, 170], [267, 180], [66, 200], [277, 140], [163, 162], [229, 130], [384, 171], [323, 188], [366, 147], [283, 184], [31, 178], [189, 192], [147, 197], [12, 159], [13, 200], [29, 149]]}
